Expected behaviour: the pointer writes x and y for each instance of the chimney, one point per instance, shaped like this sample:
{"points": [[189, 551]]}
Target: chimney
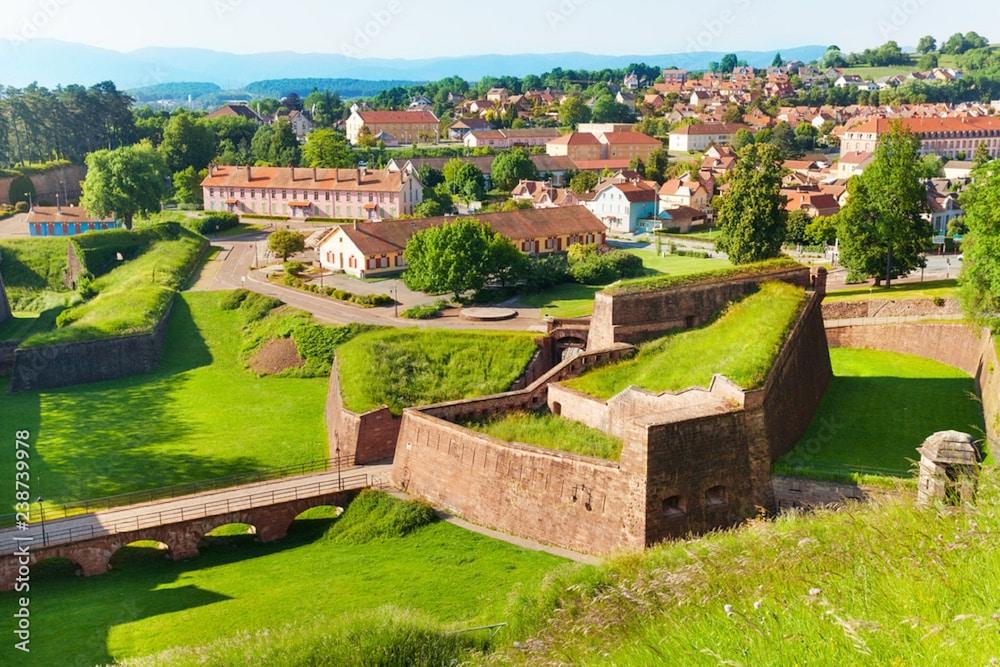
{"points": [[249, 173], [315, 174], [360, 172], [355, 225]]}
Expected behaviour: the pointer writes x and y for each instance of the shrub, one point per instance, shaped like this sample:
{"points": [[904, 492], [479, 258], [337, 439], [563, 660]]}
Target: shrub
{"points": [[21, 207], [939, 301], [256, 307], [599, 269], [545, 271], [212, 223], [371, 300], [294, 268], [425, 312], [375, 515], [99, 251]]}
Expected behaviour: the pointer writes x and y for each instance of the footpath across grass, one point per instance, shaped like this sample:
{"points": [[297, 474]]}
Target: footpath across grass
{"points": [[402, 368], [327, 578], [549, 431], [879, 408], [201, 415], [741, 344]]}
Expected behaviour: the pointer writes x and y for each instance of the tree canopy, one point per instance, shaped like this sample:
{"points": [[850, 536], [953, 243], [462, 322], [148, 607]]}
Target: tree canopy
{"points": [[125, 182], [751, 214], [980, 279], [328, 149], [511, 167], [286, 242]]}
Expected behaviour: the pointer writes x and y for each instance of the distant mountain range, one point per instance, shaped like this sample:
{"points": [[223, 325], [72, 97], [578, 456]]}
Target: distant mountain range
{"points": [[51, 62]]}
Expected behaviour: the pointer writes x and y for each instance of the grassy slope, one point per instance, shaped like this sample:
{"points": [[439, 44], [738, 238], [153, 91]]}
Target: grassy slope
{"points": [[199, 416], [879, 408], [575, 300], [33, 263], [882, 584], [945, 289], [552, 432], [311, 578], [405, 367], [741, 345], [132, 297]]}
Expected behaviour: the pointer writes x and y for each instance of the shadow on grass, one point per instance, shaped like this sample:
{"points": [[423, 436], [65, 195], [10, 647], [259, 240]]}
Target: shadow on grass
{"points": [[117, 426], [872, 426], [140, 586]]}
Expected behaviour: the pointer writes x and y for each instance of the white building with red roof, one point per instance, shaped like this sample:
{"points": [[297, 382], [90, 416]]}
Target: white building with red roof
{"points": [[405, 127], [946, 137]]}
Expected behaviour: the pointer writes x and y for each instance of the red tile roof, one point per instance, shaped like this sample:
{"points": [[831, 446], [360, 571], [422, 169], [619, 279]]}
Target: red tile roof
{"points": [[930, 125], [302, 178], [45, 214], [711, 128], [630, 139], [576, 139], [398, 117]]}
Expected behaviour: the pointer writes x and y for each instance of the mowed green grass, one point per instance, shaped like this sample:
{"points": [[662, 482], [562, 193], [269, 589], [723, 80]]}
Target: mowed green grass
{"points": [[312, 578], [932, 289], [199, 416], [741, 344], [879, 408], [575, 300], [401, 368], [551, 432]]}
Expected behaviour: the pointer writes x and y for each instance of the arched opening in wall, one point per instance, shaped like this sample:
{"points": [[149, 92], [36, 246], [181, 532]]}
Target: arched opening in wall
{"points": [[557, 408], [315, 520], [54, 569], [228, 536], [674, 506], [716, 496], [139, 554]]}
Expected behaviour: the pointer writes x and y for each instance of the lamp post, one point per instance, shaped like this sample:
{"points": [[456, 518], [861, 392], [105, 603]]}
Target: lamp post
{"points": [[340, 484], [41, 511]]}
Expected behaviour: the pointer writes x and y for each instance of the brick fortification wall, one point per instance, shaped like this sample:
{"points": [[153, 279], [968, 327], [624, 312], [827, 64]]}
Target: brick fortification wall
{"points": [[963, 346], [849, 310], [632, 318], [363, 438], [51, 366], [64, 181]]}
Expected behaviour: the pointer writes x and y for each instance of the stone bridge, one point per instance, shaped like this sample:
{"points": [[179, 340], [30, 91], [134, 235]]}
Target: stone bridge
{"points": [[90, 540]]}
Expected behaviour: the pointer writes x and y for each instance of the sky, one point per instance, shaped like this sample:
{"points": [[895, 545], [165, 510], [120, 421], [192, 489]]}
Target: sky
{"points": [[433, 28]]}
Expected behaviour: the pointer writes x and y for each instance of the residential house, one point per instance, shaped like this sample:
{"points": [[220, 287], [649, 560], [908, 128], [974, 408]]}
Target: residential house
{"points": [[576, 146], [624, 208], [461, 127], [511, 137], [237, 110], [942, 204], [852, 164], [497, 95], [675, 76], [690, 191], [812, 201], [369, 249], [541, 194], [957, 169], [348, 194], [406, 127], [65, 221], [699, 136], [681, 219], [300, 121]]}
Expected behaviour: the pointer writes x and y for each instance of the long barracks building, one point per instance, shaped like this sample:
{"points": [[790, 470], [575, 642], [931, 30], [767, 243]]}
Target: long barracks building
{"points": [[946, 137]]}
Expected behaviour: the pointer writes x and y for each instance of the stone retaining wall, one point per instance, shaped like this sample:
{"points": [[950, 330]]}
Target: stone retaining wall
{"points": [[963, 346], [634, 317], [62, 181], [849, 310], [51, 366], [363, 438], [792, 492]]}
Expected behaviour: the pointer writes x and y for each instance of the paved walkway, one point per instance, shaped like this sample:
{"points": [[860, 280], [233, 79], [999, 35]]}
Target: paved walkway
{"points": [[195, 506]]}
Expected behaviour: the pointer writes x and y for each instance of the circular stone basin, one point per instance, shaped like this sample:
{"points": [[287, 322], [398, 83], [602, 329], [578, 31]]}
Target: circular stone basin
{"points": [[488, 314]]}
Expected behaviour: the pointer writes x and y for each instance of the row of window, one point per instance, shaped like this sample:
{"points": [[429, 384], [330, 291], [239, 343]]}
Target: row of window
{"points": [[285, 194]]}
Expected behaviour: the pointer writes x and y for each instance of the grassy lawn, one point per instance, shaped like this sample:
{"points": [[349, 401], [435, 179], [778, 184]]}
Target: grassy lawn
{"points": [[320, 577], [575, 300], [879, 408], [932, 289], [741, 344], [132, 297], [406, 367], [710, 235], [200, 416], [551, 432]]}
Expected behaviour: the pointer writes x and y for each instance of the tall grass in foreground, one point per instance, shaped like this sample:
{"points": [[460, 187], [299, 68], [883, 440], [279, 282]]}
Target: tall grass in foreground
{"points": [[741, 344], [883, 584], [401, 368]]}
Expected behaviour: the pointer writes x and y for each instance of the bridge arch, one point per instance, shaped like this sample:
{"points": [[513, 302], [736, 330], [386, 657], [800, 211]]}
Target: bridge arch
{"points": [[136, 552], [55, 567]]}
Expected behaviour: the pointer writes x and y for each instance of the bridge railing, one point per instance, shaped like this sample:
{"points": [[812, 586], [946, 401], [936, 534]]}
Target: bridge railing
{"points": [[64, 510], [40, 537]]}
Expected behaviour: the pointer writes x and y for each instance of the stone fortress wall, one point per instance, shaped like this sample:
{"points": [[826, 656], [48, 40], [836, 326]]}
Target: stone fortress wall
{"points": [[691, 461]]}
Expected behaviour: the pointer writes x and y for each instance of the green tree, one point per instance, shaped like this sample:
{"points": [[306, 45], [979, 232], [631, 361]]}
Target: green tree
{"points": [[125, 182], [511, 167], [326, 148], [927, 44], [928, 61], [573, 111], [457, 257], [187, 186], [583, 181], [822, 230], [658, 165], [798, 224], [607, 110], [429, 208], [187, 143], [777, 62], [728, 63], [742, 138], [784, 138], [751, 214], [981, 156], [931, 166], [286, 242], [805, 136], [882, 230], [464, 179], [284, 150], [980, 279]]}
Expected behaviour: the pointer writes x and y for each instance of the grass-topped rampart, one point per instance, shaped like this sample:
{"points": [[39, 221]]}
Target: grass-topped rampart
{"points": [[549, 431], [657, 283], [741, 344], [401, 368]]}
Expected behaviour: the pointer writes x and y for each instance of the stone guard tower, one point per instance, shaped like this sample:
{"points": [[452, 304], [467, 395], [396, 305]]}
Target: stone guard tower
{"points": [[949, 469]]}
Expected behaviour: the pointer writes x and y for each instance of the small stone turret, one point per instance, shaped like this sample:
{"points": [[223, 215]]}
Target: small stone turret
{"points": [[949, 469]]}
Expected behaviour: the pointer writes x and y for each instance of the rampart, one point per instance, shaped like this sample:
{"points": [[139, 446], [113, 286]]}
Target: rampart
{"points": [[62, 181], [65, 364], [631, 317], [691, 461]]}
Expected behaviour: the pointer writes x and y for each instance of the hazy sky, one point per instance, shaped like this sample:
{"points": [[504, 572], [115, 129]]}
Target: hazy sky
{"points": [[423, 28]]}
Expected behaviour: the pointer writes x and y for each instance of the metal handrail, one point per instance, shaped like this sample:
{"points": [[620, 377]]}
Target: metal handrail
{"points": [[155, 519], [75, 508]]}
